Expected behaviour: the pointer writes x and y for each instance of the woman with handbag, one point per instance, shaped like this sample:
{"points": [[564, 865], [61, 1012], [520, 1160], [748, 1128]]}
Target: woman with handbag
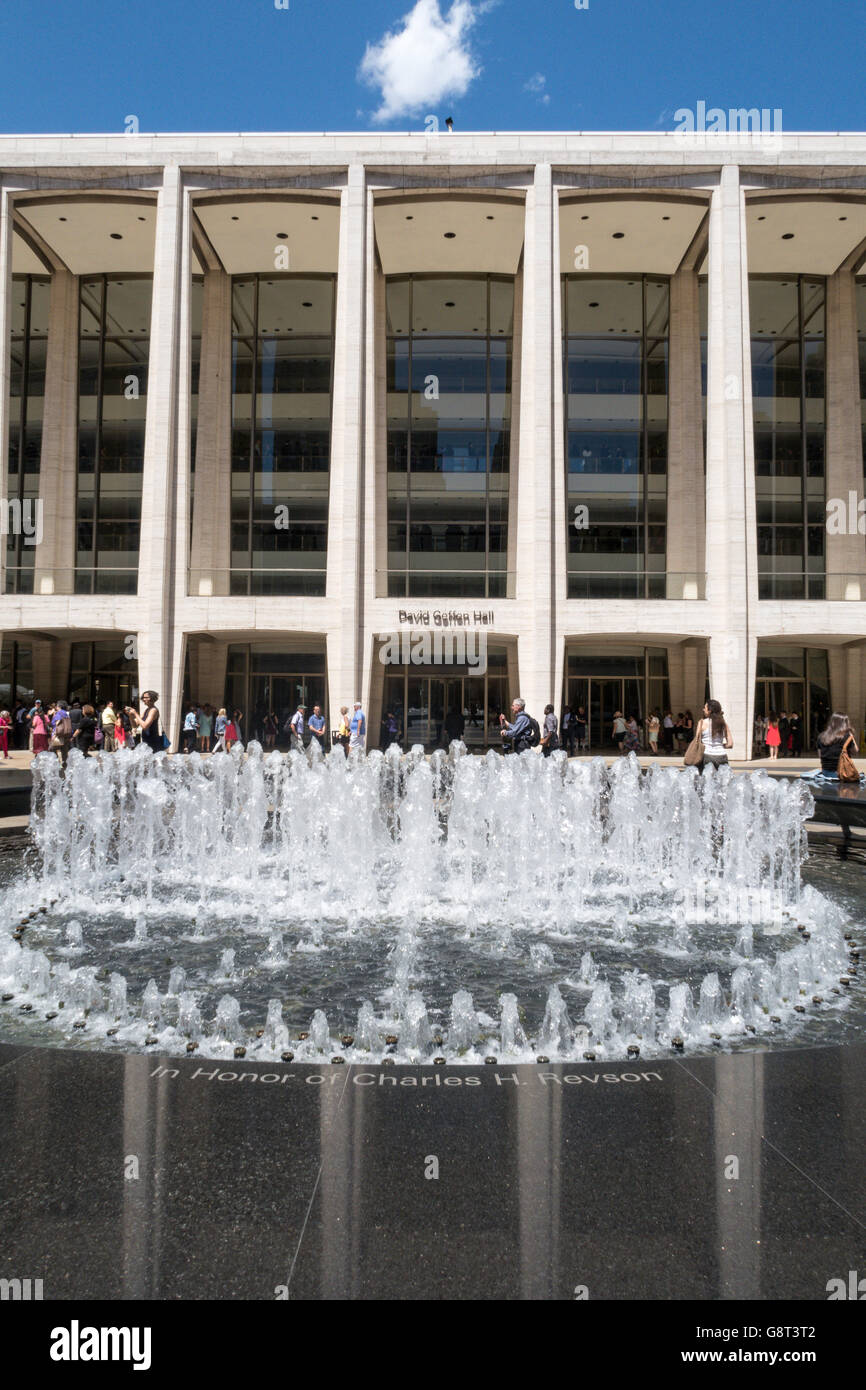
{"points": [[712, 739], [835, 746]]}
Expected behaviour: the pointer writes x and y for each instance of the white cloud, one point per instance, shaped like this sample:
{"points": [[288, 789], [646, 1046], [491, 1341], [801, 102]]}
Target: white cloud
{"points": [[416, 66], [537, 84]]}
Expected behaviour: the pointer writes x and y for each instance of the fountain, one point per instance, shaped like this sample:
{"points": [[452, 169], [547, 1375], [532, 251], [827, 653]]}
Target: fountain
{"points": [[474, 908]]}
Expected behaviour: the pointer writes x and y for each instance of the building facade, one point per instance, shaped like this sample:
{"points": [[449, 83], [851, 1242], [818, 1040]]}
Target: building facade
{"points": [[591, 405]]}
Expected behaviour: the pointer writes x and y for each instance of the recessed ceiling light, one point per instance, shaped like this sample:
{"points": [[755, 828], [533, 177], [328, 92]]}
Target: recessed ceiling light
{"points": [[666, 217], [142, 219], [843, 219], [234, 218], [282, 236], [306, 304], [490, 217], [314, 217], [449, 303], [618, 236], [449, 236], [410, 217], [61, 219], [115, 236], [593, 304], [787, 236], [584, 217]]}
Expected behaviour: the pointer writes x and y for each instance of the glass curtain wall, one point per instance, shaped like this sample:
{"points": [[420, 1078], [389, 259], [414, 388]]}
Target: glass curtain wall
{"points": [[449, 363], [860, 291], [282, 367], [634, 682], [16, 676], [792, 680], [788, 385], [30, 298], [114, 344], [103, 671], [263, 680], [421, 699], [615, 358]]}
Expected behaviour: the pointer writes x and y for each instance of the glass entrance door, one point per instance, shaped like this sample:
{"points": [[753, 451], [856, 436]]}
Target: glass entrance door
{"points": [[605, 698]]}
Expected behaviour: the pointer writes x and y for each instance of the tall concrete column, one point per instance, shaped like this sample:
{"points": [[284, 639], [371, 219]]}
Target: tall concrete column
{"points": [[210, 552], [6, 196], [345, 527], [58, 466], [687, 676], [731, 537], [846, 553], [535, 524], [208, 658], [685, 501], [156, 657]]}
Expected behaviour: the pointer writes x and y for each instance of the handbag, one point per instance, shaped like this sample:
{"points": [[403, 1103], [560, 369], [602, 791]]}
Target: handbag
{"points": [[694, 754], [847, 770]]}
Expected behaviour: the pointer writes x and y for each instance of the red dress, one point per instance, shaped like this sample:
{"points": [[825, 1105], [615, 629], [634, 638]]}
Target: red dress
{"points": [[774, 738]]}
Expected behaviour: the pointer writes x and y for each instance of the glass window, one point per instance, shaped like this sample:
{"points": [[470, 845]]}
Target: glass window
{"points": [[449, 442], [114, 343], [615, 359], [282, 365], [28, 350], [788, 392]]}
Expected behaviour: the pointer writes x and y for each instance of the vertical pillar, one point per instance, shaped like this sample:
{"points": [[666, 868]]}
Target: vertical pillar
{"points": [[58, 465], [161, 453], [535, 513], [685, 500], [731, 536], [6, 195], [846, 555], [208, 658], [210, 553], [345, 522]]}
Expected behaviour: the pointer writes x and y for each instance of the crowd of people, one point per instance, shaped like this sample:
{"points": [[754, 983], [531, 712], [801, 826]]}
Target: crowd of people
{"points": [[61, 726]]}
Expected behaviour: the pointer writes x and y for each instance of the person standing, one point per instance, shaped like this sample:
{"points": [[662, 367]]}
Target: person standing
{"points": [[61, 732], [653, 726], [668, 732], [715, 736], [148, 723], [549, 732], [357, 728], [568, 730], [519, 732], [190, 730], [784, 729], [580, 728], [5, 729], [205, 729], [84, 735], [343, 730], [317, 727], [836, 739], [296, 726], [618, 730], [220, 730], [631, 742], [109, 719], [773, 737], [796, 734]]}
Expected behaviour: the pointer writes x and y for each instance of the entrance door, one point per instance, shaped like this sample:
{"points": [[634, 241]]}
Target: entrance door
{"points": [[605, 698]]}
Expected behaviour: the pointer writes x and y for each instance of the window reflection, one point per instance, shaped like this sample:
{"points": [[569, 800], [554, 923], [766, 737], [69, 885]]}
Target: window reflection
{"points": [[449, 371]]}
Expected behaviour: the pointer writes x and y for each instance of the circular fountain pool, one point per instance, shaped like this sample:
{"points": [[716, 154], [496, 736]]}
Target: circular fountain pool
{"points": [[401, 907]]}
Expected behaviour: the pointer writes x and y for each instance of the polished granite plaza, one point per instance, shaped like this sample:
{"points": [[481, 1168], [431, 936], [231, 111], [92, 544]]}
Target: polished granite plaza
{"points": [[144, 1177]]}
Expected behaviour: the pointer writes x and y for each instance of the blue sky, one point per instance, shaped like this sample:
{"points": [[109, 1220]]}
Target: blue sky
{"points": [[244, 65]]}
